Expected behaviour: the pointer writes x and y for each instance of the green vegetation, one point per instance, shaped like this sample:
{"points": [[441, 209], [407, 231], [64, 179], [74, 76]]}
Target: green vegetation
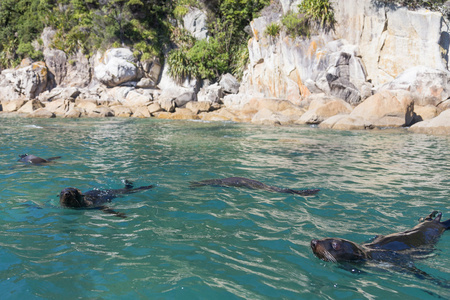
{"points": [[295, 25], [319, 11], [225, 50], [273, 29], [86, 25], [148, 27]]}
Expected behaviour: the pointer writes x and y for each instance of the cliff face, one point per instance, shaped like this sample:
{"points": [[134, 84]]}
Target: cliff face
{"points": [[392, 39], [371, 45]]}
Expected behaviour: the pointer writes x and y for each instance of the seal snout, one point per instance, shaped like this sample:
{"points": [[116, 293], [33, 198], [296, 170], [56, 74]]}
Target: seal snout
{"points": [[313, 244]]}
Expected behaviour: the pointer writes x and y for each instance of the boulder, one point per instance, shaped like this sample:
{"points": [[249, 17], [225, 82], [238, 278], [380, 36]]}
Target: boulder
{"points": [[100, 112], [116, 67], [387, 109], [229, 84], [422, 113], [195, 21], [121, 111], [427, 86], [59, 107], [322, 108], [41, 113], [26, 82], [75, 112], [267, 117], [439, 125], [167, 105], [212, 93], [137, 99], [56, 62], [223, 114], [141, 112], [154, 108], [198, 106], [30, 106], [13, 105]]}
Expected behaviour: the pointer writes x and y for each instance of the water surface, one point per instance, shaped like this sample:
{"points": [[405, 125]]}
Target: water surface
{"points": [[226, 243]]}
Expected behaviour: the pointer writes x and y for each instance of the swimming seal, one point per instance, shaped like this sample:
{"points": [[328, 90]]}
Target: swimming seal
{"points": [[252, 184], [35, 160], [393, 247], [74, 198]]}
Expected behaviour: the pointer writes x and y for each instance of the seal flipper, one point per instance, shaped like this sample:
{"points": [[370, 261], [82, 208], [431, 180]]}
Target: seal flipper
{"points": [[53, 158], [446, 224], [303, 192], [108, 210], [128, 184]]}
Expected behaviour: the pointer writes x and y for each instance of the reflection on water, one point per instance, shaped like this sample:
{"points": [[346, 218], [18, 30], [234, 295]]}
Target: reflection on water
{"points": [[212, 241]]}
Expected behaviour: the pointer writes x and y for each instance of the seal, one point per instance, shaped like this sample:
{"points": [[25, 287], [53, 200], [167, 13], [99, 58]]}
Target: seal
{"points": [[35, 160], [395, 247], [252, 184], [96, 199]]}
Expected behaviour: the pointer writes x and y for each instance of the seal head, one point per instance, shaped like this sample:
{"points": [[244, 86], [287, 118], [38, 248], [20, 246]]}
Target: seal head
{"points": [[71, 197], [337, 250]]}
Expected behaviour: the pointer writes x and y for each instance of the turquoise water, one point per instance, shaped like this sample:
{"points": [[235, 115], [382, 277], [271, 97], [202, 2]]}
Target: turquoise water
{"points": [[212, 242]]}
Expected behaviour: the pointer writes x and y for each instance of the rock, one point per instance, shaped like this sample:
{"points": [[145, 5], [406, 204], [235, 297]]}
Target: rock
{"points": [[229, 84], [439, 125], [121, 111], [387, 109], [322, 108], [99, 112], [212, 93], [88, 106], [422, 113], [154, 108], [26, 82], [13, 105], [427, 86], [41, 113], [59, 107], [267, 117], [30, 106], [179, 114], [137, 99], [392, 39], [56, 62], [146, 83], [141, 112], [195, 21], [199, 106], [167, 105], [80, 71], [75, 112], [223, 114], [70, 93], [116, 67]]}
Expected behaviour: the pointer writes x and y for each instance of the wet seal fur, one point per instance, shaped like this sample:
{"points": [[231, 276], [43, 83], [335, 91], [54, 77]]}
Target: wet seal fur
{"points": [[96, 199], [416, 241], [35, 160], [252, 184], [397, 249]]}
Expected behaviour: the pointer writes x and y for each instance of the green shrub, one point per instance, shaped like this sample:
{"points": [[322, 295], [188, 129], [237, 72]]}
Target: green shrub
{"points": [[273, 29], [318, 11], [295, 24]]}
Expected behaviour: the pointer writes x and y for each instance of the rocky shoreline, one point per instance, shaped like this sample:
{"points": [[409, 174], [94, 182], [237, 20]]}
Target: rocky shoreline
{"points": [[357, 77]]}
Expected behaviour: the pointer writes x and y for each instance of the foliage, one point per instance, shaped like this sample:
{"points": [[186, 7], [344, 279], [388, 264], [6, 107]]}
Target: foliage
{"points": [[318, 11], [224, 51], [295, 24], [148, 27], [273, 29]]}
